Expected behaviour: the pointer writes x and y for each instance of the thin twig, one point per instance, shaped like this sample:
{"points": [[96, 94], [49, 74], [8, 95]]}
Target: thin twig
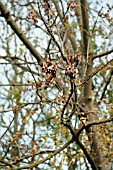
{"points": [[14, 84], [93, 74], [7, 129], [106, 85], [63, 110]]}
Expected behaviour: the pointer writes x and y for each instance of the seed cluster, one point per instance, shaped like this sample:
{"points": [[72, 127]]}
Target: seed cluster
{"points": [[50, 69]]}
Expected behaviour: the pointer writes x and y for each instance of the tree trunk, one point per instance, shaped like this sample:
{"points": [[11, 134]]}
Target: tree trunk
{"points": [[86, 96]]}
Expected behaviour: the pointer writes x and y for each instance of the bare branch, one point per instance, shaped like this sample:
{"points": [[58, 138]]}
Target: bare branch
{"points": [[14, 84], [5, 13], [70, 36], [36, 163], [75, 135], [7, 129], [87, 154], [102, 54], [95, 122], [93, 74], [63, 110], [106, 85], [5, 163]]}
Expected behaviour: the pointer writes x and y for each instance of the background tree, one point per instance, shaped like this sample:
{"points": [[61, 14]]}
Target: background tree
{"points": [[56, 87]]}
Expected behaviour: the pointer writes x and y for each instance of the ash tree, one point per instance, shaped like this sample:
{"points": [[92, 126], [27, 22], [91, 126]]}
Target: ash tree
{"points": [[56, 100]]}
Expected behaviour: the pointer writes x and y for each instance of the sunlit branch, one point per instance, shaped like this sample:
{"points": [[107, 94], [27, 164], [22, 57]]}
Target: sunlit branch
{"points": [[28, 156], [36, 163], [5, 163]]}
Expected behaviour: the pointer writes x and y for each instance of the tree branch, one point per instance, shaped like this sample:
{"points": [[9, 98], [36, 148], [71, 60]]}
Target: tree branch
{"points": [[85, 26], [102, 54], [5, 13], [70, 36], [75, 135], [95, 122], [36, 163], [93, 74], [5, 163], [87, 154], [106, 85], [7, 129], [14, 84]]}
